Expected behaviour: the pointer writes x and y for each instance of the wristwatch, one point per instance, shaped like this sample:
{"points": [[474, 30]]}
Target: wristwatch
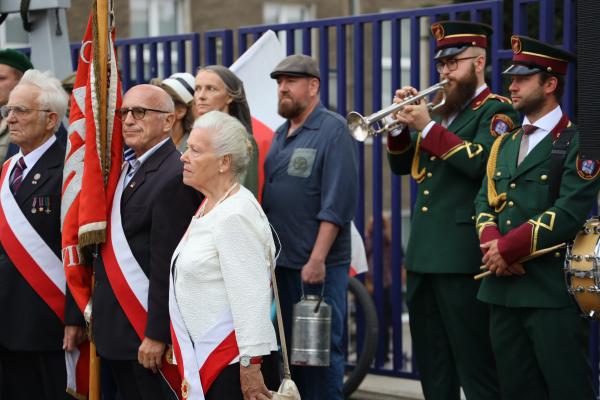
{"points": [[246, 360]]}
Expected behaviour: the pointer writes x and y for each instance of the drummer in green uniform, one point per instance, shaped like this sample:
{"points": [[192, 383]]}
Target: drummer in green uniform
{"points": [[446, 153], [537, 193]]}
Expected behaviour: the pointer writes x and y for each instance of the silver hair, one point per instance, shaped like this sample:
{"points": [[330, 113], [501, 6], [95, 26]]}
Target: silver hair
{"points": [[52, 97], [228, 137]]}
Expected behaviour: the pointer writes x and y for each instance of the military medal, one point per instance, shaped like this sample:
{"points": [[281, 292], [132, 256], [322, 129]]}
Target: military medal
{"points": [[33, 209], [47, 202]]}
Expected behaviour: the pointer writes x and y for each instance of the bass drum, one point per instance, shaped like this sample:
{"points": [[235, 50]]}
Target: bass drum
{"points": [[582, 269]]}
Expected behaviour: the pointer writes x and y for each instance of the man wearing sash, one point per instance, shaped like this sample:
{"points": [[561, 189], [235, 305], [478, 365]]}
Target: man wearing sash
{"points": [[537, 194], [150, 211], [34, 302]]}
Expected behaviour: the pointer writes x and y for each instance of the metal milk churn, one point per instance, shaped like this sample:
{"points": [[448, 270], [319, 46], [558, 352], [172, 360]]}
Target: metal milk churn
{"points": [[311, 331]]}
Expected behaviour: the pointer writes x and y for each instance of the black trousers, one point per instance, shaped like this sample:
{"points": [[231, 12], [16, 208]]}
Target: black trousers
{"points": [[227, 385], [33, 375], [134, 382]]}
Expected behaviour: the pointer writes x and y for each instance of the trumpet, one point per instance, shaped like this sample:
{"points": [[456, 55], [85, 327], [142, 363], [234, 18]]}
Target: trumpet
{"points": [[381, 122]]}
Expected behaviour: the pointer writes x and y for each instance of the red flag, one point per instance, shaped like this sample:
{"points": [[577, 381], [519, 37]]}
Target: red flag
{"points": [[92, 167]]}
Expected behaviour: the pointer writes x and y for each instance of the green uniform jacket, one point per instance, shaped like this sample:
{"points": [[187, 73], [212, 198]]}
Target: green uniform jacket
{"points": [[451, 164], [525, 220]]}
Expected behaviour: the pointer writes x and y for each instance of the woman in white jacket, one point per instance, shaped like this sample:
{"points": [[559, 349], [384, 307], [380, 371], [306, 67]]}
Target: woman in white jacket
{"points": [[224, 341]]}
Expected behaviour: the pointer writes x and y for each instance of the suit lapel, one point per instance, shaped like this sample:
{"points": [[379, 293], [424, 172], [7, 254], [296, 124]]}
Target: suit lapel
{"points": [[149, 166], [538, 155], [40, 173], [543, 150]]}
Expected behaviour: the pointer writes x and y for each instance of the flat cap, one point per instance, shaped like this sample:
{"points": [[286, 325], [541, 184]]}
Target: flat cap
{"points": [[15, 59], [531, 56], [297, 65]]}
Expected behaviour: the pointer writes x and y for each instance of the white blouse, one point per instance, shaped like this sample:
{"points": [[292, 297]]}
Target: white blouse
{"points": [[224, 264]]}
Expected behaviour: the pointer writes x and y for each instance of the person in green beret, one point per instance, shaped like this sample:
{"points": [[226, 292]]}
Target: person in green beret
{"points": [[12, 66], [446, 151], [537, 193]]}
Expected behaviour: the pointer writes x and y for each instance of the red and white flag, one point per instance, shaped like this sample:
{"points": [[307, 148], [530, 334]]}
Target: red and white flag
{"points": [[358, 263], [253, 68], [92, 166]]}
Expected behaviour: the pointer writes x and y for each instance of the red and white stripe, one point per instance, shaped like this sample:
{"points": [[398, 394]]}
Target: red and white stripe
{"points": [[200, 362]]}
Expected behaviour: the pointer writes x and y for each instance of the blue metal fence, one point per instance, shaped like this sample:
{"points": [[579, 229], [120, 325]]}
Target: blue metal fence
{"points": [[353, 62]]}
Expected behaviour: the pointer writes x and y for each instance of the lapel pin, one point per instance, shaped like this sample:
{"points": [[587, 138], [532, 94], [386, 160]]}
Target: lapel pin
{"points": [[36, 178], [132, 185]]}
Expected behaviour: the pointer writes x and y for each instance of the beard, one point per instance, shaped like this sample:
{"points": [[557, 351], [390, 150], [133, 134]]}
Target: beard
{"points": [[290, 109], [531, 104], [457, 98]]}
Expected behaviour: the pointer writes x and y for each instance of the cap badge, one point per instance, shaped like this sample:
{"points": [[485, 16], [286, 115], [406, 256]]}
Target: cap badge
{"points": [[515, 43], [438, 31]]}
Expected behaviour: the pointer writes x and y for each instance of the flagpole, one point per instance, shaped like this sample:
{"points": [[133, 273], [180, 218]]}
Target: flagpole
{"points": [[101, 60]]}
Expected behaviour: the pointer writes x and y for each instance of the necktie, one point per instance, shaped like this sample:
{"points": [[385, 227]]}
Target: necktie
{"points": [[134, 164], [524, 147], [17, 175]]}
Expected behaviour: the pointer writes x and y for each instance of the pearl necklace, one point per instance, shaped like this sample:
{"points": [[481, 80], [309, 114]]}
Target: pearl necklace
{"points": [[200, 212]]}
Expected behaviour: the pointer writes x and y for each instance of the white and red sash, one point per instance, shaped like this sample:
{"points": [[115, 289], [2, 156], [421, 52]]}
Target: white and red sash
{"points": [[127, 278], [39, 266], [199, 362]]}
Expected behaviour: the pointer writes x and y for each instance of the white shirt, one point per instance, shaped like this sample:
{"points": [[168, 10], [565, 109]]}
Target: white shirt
{"points": [[450, 119], [33, 156], [224, 264], [136, 163], [544, 127]]}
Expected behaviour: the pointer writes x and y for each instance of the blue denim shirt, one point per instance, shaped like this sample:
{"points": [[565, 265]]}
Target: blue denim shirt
{"points": [[311, 176]]}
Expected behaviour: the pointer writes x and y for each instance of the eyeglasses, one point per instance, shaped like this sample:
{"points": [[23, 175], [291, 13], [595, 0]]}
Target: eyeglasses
{"points": [[451, 64], [137, 112], [19, 111]]}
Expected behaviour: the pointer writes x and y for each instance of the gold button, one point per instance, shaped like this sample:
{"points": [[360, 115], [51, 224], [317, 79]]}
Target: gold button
{"points": [[513, 185], [511, 203], [426, 192], [508, 222], [557, 254], [429, 174], [498, 173], [424, 209], [544, 177], [432, 158]]}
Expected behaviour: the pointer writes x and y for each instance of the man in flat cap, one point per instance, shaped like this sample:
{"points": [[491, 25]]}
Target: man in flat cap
{"points": [[12, 66], [310, 195], [537, 194], [446, 153]]}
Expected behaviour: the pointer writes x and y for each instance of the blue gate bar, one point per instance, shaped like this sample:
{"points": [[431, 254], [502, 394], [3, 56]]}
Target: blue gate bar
{"points": [[377, 192], [167, 63], [306, 41]]}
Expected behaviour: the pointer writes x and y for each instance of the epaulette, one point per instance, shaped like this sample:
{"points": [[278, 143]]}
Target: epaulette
{"points": [[492, 96]]}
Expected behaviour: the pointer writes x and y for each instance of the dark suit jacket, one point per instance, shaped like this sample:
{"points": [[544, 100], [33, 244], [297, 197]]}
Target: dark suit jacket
{"points": [[156, 209], [28, 324]]}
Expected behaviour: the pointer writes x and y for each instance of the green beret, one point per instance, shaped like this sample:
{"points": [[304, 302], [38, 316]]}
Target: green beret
{"points": [[15, 59]]}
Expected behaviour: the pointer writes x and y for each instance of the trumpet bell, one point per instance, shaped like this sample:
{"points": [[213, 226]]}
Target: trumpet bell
{"points": [[358, 126]]}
